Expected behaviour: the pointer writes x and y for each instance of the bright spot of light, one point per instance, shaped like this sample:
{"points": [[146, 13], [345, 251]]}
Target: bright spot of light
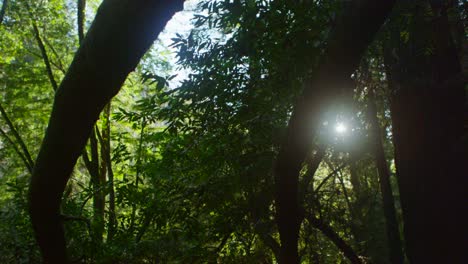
{"points": [[341, 128]]}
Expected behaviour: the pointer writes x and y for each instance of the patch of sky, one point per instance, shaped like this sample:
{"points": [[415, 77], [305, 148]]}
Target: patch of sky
{"points": [[181, 23]]}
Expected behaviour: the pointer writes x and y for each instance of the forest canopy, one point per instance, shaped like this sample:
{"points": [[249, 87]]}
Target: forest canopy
{"points": [[233, 131]]}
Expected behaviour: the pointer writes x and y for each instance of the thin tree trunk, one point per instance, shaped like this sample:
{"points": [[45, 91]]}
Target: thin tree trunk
{"points": [[112, 225], [357, 223], [81, 8], [345, 47], [45, 56], [119, 36], [393, 232], [138, 171], [106, 159], [97, 168], [98, 184], [428, 107], [3, 10]]}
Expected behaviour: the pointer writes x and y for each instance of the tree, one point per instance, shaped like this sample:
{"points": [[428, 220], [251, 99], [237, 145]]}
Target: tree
{"points": [[181, 167], [345, 47], [85, 89], [428, 103], [393, 231]]}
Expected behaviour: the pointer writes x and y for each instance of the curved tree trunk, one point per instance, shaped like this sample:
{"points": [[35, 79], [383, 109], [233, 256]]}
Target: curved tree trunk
{"points": [[346, 45], [121, 33]]}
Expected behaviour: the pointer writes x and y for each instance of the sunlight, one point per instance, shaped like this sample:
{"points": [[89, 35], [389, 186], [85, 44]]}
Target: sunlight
{"points": [[341, 128]]}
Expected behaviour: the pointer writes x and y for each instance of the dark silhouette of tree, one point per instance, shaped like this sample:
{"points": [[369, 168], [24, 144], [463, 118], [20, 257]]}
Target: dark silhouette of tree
{"points": [[204, 171], [119, 36], [428, 107], [3, 10], [348, 41]]}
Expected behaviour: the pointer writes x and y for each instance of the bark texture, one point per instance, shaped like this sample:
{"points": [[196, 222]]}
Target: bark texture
{"points": [[121, 33], [346, 44]]}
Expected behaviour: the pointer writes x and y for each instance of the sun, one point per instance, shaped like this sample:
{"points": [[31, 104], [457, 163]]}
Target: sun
{"points": [[341, 128]]}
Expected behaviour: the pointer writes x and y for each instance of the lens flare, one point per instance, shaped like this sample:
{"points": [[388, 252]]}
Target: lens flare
{"points": [[341, 128]]}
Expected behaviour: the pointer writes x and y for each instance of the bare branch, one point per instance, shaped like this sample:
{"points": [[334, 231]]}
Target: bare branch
{"points": [[18, 138]]}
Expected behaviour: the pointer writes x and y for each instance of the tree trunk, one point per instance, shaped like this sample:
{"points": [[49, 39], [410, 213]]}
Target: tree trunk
{"points": [[107, 161], [3, 10], [81, 15], [430, 150], [96, 166], [121, 33], [346, 45], [357, 226], [98, 193], [391, 222]]}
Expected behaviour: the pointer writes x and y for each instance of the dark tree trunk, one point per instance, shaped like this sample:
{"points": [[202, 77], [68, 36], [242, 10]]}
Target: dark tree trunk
{"points": [[430, 148], [81, 9], [3, 10], [121, 33], [346, 45], [393, 231]]}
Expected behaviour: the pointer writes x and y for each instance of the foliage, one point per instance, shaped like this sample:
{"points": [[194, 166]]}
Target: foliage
{"points": [[191, 166]]}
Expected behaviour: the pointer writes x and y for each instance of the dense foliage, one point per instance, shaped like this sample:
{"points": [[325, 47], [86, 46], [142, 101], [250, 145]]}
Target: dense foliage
{"points": [[179, 168]]}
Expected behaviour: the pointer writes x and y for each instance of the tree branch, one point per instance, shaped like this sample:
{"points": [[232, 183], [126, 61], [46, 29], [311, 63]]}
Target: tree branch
{"points": [[15, 148], [18, 138], [328, 177], [312, 165], [346, 249], [42, 48]]}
